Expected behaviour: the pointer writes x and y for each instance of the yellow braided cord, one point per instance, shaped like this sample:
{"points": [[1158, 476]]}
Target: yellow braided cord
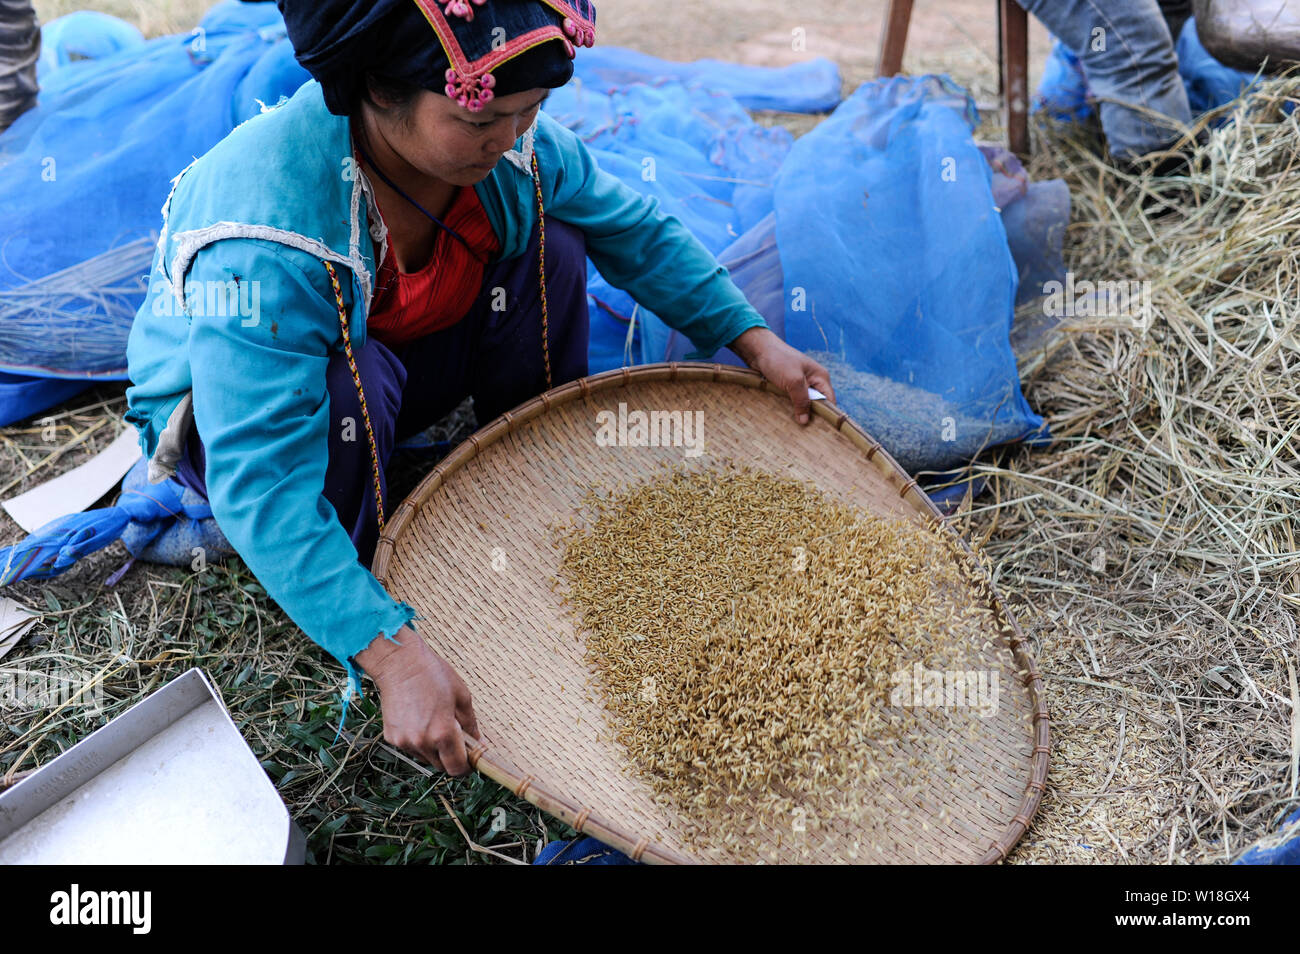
{"points": [[356, 377], [541, 270]]}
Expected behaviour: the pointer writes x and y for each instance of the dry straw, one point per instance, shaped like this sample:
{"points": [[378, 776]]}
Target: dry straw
{"points": [[1154, 545]]}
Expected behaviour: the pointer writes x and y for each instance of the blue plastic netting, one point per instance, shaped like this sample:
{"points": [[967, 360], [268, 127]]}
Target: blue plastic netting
{"points": [[873, 242], [898, 274], [83, 177]]}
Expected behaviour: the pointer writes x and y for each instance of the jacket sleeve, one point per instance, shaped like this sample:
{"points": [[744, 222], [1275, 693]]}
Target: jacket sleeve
{"points": [[262, 409], [646, 252]]}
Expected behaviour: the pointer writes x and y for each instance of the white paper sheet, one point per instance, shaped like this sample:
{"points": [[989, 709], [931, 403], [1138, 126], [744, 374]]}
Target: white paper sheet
{"points": [[77, 489], [15, 620]]}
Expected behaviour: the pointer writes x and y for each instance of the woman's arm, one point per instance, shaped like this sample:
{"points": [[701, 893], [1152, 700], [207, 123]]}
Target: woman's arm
{"points": [[788, 368], [639, 248], [656, 259], [262, 408], [426, 704]]}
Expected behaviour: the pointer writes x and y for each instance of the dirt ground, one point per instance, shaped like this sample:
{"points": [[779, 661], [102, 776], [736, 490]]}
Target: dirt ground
{"points": [[954, 36]]}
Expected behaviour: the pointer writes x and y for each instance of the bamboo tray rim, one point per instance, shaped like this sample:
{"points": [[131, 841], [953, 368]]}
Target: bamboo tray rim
{"points": [[582, 818]]}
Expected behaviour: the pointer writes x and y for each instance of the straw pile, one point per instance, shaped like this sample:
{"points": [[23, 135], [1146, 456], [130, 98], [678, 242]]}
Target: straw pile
{"points": [[1155, 544], [746, 632]]}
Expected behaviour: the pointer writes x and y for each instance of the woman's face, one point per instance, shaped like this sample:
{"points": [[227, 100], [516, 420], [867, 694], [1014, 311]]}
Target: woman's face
{"points": [[443, 140]]}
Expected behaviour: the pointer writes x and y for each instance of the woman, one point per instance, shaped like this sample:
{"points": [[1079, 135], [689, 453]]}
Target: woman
{"points": [[340, 271]]}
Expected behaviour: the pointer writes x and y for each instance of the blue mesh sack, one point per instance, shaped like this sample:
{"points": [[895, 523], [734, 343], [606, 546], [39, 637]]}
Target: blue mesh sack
{"points": [[100, 150], [897, 272], [82, 35], [1063, 90], [700, 154], [1209, 83]]}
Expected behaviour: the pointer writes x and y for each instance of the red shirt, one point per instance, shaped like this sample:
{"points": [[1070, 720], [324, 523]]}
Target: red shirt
{"points": [[411, 305]]}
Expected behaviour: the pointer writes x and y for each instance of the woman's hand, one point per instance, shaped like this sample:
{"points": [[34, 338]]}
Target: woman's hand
{"points": [[786, 367], [425, 704]]}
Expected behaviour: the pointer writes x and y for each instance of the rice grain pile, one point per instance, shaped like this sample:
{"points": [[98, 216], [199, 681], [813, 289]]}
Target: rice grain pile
{"points": [[745, 631]]}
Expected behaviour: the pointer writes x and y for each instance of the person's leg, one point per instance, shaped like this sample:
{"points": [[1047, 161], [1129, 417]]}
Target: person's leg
{"points": [[438, 377], [507, 366], [20, 47], [1128, 58], [349, 474], [1176, 14]]}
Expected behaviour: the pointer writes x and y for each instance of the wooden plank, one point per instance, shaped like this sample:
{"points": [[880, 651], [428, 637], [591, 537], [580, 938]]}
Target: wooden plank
{"points": [[1014, 54], [892, 41]]}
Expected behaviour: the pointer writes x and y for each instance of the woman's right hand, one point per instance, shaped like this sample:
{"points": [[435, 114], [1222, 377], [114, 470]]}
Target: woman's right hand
{"points": [[425, 704]]}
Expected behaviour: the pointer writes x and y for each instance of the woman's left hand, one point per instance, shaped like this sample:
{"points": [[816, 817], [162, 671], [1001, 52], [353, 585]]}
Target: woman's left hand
{"points": [[788, 368]]}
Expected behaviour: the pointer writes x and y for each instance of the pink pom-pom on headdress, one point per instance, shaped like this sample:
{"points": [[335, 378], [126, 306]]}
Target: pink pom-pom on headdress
{"points": [[583, 35], [472, 93], [470, 81]]}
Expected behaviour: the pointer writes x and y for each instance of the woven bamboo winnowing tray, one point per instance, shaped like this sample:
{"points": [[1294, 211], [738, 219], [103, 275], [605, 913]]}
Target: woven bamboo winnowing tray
{"points": [[470, 549]]}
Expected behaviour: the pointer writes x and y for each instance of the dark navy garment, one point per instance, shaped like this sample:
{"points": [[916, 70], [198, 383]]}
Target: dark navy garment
{"points": [[493, 356]]}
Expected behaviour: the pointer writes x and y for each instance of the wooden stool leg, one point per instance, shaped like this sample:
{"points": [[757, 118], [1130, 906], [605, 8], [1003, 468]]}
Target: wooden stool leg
{"points": [[892, 41], [1014, 57]]}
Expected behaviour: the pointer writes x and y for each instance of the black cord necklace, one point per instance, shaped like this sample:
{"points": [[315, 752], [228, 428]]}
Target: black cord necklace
{"points": [[398, 189]]}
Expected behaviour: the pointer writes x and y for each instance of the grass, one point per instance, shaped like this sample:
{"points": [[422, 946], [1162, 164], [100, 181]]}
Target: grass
{"points": [[358, 799]]}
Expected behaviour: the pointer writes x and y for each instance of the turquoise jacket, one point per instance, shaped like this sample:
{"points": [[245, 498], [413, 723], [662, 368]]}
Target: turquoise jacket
{"points": [[239, 321]]}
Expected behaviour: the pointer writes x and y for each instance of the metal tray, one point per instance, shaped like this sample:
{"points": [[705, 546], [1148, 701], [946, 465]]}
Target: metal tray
{"points": [[170, 781]]}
